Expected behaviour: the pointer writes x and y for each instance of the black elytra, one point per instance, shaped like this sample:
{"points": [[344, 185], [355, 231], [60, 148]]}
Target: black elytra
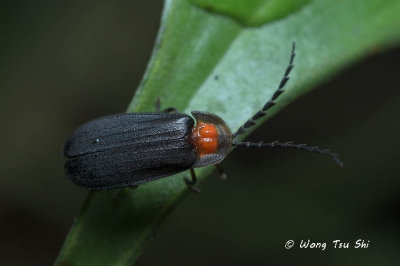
{"points": [[125, 150]]}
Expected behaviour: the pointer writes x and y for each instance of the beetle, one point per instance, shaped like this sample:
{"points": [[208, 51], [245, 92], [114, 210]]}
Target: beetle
{"points": [[126, 150]]}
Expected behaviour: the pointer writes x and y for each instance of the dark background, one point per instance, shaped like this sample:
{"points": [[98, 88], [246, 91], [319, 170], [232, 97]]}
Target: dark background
{"points": [[65, 63]]}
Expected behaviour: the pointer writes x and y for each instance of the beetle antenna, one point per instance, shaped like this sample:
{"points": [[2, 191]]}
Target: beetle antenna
{"points": [[291, 145], [252, 121]]}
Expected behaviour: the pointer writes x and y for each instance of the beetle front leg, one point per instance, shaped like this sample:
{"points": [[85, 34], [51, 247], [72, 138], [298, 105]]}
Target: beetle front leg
{"points": [[221, 172], [191, 183]]}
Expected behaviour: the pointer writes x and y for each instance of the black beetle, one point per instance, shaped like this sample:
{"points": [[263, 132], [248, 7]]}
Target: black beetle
{"points": [[126, 150]]}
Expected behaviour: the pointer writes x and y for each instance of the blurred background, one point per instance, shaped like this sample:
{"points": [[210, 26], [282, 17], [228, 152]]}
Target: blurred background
{"points": [[65, 63]]}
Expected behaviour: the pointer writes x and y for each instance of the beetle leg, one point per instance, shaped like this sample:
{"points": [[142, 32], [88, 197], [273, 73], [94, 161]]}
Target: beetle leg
{"points": [[158, 104], [170, 110], [221, 172], [191, 183], [119, 192], [166, 110]]}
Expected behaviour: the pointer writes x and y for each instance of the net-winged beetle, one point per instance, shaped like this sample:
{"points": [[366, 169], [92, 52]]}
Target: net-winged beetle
{"points": [[125, 150]]}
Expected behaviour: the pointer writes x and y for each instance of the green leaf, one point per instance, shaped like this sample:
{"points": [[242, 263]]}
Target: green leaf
{"points": [[208, 61], [252, 12]]}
